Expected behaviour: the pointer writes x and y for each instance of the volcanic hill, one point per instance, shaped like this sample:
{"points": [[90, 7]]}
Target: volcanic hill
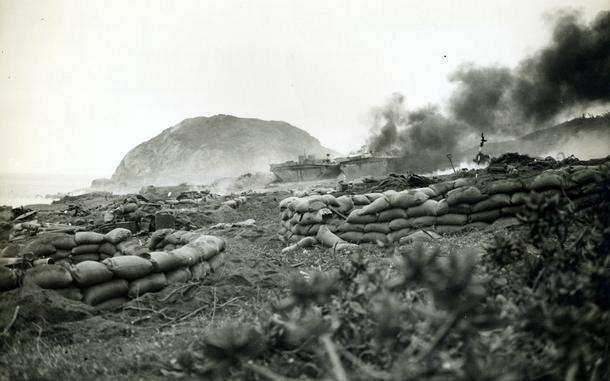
{"points": [[200, 150]]}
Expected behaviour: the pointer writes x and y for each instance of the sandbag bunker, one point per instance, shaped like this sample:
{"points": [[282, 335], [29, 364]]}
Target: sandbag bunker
{"points": [[106, 270], [442, 208]]}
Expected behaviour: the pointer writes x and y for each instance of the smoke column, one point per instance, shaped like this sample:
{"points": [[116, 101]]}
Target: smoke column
{"points": [[570, 74]]}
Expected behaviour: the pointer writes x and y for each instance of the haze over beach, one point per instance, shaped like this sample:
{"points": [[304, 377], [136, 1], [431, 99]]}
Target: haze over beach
{"points": [[82, 83]]}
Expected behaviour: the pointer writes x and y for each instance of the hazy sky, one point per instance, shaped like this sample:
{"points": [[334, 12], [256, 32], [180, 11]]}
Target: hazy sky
{"points": [[82, 82]]}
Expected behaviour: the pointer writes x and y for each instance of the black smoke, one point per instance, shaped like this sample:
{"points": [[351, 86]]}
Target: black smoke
{"points": [[568, 75], [571, 73]]}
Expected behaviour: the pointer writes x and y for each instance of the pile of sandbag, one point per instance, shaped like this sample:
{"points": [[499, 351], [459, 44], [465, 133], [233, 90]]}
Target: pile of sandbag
{"points": [[66, 248], [443, 208], [302, 217], [110, 281]]}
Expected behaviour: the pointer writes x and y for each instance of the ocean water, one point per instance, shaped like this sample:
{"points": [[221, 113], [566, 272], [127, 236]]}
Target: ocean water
{"points": [[26, 189]]}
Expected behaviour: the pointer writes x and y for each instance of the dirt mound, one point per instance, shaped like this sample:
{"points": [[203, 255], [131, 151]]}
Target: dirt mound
{"points": [[36, 304]]}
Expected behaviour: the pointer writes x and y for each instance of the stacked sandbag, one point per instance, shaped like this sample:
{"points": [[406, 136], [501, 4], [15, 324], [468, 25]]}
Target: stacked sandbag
{"points": [[302, 217], [444, 208], [67, 249], [108, 283], [389, 216]]}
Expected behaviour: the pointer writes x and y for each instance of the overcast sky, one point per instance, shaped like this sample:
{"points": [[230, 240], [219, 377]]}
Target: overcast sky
{"points": [[82, 82]]}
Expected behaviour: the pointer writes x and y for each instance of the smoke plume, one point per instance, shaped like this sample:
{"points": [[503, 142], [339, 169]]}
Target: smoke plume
{"points": [[568, 75]]}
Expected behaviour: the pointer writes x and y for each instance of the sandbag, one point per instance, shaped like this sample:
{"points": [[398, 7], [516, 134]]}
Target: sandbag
{"points": [[375, 237], [295, 238], [452, 219], [507, 186], [420, 236], [347, 227], [330, 200], [189, 255], [61, 254], [343, 246], [319, 217], [442, 188], [131, 246], [199, 271], [428, 208], [85, 257], [129, 266], [216, 262], [486, 216], [351, 236], [585, 176], [157, 237], [188, 237], [307, 242], [107, 248], [326, 237], [448, 229], [546, 180], [422, 221], [296, 218], [511, 210], [400, 223], [117, 235], [48, 276], [373, 196], [308, 204], [84, 249], [391, 214], [519, 198], [442, 207], [150, 283], [358, 217], [377, 206], [395, 236], [72, 293], [163, 261], [463, 182], [84, 238], [8, 279], [179, 275], [174, 238], [64, 242], [38, 248], [380, 227], [407, 199], [467, 195], [360, 199], [496, 201], [209, 245], [285, 203], [345, 204], [88, 273], [459, 209], [426, 190], [111, 304]]}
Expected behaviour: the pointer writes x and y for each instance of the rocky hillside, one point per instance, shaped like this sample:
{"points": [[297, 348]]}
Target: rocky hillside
{"points": [[200, 150]]}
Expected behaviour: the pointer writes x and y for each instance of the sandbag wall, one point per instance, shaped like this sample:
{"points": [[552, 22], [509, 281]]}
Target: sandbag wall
{"points": [[447, 207], [106, 270]]}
